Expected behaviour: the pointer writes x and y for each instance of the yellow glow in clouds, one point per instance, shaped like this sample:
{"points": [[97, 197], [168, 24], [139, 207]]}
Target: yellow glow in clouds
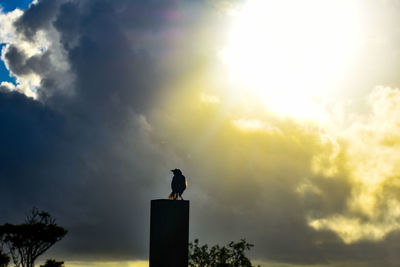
{"points": [[290, 53]]}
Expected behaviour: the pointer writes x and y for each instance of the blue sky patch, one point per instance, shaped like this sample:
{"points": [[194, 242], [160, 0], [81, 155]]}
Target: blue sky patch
{"points": [[4, 73], [10, 5]]}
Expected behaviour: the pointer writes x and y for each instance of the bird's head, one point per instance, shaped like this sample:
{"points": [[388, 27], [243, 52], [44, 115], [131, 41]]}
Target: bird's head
{"points": [[176, 171]]}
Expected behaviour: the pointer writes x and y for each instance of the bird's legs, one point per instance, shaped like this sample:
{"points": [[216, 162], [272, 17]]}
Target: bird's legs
{"points": [[175, 196]]}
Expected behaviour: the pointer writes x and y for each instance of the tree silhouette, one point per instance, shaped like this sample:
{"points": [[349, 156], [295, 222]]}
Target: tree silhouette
{"points": [[231, 256], [4, 259], [27, 241], [53, 263]]}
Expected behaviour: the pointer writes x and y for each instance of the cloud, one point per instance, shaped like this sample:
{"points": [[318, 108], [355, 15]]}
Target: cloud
{"points": [[372, 158], [36, 17], [27, 59]]}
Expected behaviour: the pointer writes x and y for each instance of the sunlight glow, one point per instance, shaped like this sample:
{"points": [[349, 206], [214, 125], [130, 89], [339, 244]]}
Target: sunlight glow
{"points": [[254, 125], [107, 264], [290, 53]]}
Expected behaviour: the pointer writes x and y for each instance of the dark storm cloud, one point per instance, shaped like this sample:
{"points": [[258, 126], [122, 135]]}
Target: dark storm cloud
{"points": [[36, 17], [20, 64], [122, 74], [69, 167], [30, 138]]}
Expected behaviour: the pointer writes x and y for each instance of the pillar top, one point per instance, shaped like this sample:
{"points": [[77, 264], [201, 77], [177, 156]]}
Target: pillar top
{"points": [[169, 200]]}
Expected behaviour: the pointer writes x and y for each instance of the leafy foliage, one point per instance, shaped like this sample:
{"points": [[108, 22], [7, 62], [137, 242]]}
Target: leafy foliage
{"points": [[53, 263], [232, 255], [27, 241]]}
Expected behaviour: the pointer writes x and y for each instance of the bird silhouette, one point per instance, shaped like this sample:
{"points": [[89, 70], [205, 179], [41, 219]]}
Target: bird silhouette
{"points": [[178, 184]]}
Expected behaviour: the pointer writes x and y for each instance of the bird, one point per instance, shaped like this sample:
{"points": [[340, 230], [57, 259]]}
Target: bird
{"points": [[178, 184]]}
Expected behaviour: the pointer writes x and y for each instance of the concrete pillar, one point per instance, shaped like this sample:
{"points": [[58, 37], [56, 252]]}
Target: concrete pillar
{"points": [[169, 233]]}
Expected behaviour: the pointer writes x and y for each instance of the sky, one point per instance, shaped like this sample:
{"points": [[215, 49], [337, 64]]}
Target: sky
{"points": [[284, 116]]}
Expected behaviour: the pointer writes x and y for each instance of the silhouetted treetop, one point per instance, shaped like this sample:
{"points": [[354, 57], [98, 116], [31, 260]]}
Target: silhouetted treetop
{"points": [[53, 263], [27, 241], [231, 256], [4, 259]]}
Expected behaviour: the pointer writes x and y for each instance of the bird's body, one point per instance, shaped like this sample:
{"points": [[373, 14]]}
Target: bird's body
{"points": [[178, 184]]}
